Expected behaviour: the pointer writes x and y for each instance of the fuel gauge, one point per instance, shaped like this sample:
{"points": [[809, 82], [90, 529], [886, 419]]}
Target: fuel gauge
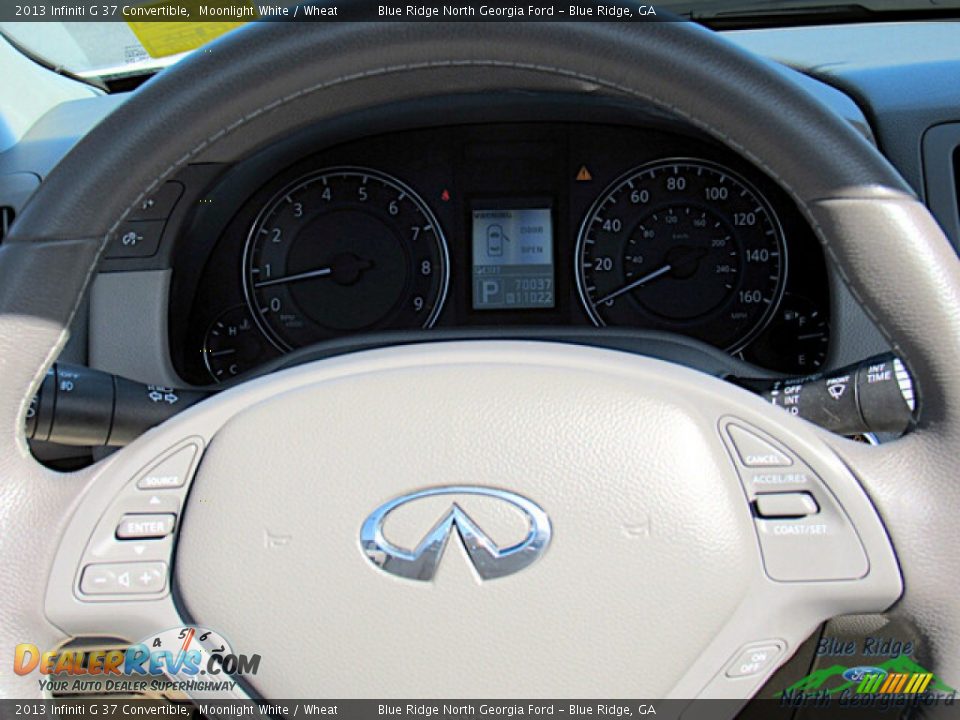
{"points": [[796, 340], [233, 344]]}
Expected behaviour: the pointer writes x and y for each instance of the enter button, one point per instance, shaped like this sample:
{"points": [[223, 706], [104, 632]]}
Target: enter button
{"points": [[786, 505], [139, 527]]}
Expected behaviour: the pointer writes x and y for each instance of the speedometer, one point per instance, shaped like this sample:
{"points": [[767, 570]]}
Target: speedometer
{"points": [[342, 250], [685, 246]]}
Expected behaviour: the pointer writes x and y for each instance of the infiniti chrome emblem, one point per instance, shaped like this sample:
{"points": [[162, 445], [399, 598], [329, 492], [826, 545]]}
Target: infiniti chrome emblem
{"points": [[488, 560]]}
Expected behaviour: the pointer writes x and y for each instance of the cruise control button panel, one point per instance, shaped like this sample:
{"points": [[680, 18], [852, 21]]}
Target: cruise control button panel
{"points": [[129, 552], [804, 533]]}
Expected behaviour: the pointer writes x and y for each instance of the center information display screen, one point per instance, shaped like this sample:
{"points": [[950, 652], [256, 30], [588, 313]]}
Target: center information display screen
{"points": [[513, 265]]}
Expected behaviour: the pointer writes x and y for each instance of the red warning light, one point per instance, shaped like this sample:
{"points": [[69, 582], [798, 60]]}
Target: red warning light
{"points": [[445, 195]]}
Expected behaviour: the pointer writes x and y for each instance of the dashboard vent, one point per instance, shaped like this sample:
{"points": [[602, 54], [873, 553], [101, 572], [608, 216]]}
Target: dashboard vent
{"points": [[6, 220]]}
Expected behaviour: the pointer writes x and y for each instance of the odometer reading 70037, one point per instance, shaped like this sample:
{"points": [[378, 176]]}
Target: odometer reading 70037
{"points": [[685, 246]]}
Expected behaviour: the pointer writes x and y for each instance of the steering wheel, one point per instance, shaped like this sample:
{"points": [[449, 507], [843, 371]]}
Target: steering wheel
{"points": [[605, 503]]}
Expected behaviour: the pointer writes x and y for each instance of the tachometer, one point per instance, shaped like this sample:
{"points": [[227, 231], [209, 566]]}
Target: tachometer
{"points": [[686, 246], [342, 250]]}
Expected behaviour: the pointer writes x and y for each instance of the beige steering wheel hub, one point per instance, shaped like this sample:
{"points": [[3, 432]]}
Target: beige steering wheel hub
{"points": [[585, 522]]}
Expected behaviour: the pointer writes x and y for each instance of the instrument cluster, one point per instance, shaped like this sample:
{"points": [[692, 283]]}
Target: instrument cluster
{"points": [[506, 225]]}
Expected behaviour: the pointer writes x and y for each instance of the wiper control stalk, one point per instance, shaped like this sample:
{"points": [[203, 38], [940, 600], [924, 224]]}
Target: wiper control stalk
{"points": [[875, 395]]}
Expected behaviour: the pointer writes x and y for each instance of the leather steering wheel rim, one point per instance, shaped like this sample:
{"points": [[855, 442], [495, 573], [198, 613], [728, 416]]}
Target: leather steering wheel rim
{"points": [[875, 232]]}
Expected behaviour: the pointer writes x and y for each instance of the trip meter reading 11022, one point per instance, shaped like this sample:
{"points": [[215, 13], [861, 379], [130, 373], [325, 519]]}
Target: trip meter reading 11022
{"points": [[686, 246]]}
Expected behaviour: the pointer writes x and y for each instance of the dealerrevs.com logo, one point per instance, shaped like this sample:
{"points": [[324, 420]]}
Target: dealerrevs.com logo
{"points": [[185, 659]]}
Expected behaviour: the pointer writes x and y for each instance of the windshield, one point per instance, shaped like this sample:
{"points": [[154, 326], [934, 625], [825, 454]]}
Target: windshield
{"points": [[106, 50], [140, 39]]}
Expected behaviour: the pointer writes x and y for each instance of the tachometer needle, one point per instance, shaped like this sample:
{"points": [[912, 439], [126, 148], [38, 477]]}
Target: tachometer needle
{"points": [[291, 278], [635, 284]]}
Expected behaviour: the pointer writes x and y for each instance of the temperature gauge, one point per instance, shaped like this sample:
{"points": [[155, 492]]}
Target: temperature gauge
{"points": [[233, 344]]}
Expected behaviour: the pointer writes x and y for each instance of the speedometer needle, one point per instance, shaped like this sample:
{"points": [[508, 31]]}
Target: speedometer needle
{"points": [[291, 278], [635, 284]]}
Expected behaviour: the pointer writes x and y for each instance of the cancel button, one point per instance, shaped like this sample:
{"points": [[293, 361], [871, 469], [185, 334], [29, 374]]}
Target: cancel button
{"points": [[141, 526]]}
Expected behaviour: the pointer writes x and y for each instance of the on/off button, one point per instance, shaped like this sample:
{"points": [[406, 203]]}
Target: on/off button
{"points": [[754, 659]]}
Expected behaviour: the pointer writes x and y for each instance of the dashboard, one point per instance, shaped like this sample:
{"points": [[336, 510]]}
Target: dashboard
{"points": [[149, 312], [532, 223]]}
